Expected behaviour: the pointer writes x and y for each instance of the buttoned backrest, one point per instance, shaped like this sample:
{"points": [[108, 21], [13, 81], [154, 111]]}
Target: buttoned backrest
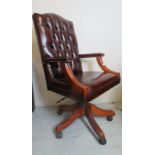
{"points": [[56, 39]]}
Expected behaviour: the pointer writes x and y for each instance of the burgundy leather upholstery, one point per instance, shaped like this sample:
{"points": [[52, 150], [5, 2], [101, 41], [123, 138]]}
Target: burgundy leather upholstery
{"points": [[56, 39], [57, 42], [98, 82]]}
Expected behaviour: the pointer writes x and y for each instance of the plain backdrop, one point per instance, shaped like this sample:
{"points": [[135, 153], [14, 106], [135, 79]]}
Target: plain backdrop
{"points": [[138, 42], [97, 24]]}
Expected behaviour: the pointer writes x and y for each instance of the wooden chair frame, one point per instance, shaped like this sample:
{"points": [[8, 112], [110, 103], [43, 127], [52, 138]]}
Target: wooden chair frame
{"points": [[62, 67], [87, 109]]}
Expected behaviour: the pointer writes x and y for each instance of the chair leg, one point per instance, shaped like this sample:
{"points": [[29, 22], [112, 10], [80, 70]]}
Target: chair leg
{"points": [[102, 112], [67, 108], [78, 111], [67, 122], [94, 125]]}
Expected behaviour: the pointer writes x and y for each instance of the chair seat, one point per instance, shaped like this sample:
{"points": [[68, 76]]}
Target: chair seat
{"points": [[98, 82], [95, 79]]}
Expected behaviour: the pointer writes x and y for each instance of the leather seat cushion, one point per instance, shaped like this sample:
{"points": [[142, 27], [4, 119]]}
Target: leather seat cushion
{"points": [[98, 82], [95, 79]]}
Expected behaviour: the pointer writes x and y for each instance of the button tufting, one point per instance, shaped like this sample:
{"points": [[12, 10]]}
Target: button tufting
{"points": [[55, 37], [59, 40], [57, 27], [53, 46], [70, 38], [68, 46], [48, 25], [61, 47], [64, 28], [62, 37]]}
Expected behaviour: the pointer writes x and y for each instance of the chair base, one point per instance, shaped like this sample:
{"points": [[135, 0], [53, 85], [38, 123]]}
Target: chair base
{"points": [[89, 110]]}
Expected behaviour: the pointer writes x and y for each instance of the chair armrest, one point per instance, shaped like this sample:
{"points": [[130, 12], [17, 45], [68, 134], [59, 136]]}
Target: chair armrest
{"points": [[65, 60], [90, 55], [100, 62], [104, 67], [76, 84]]}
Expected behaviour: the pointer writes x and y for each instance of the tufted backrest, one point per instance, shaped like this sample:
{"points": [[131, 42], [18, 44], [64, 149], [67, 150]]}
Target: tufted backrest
{"points": [[56, 39]]}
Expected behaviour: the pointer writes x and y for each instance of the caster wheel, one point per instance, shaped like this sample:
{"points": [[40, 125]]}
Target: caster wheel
{"points": [[59, 112], [58, 134], [109, 118], [102, 141]]}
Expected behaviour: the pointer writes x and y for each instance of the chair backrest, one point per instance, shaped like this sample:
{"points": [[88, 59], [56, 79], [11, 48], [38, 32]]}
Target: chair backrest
{"points": [[56, 39]]}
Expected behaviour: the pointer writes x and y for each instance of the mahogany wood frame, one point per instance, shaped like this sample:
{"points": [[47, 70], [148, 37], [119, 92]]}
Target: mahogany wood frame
{"points": [[87, 109]]}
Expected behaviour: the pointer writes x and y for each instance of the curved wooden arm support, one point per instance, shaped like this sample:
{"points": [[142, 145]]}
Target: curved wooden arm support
{"points": [[104, 67], [76, 84], [100, 62]]}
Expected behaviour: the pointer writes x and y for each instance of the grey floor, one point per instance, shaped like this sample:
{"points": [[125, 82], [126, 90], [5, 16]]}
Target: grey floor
{"points": [[77, 139]]}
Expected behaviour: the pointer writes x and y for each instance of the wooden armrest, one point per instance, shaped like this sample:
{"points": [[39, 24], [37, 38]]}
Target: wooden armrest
{"points": [[65, 60], [76, 84], [90, 55], [100, 62], [104, 67]]}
